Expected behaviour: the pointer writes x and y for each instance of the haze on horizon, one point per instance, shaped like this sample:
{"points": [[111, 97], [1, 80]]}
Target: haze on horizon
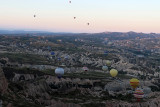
{"points": [[103, 15]]}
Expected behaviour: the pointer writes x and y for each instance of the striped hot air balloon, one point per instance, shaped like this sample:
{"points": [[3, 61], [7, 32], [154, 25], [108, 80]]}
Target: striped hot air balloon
{"points": [[138, 94], [134, 83]]}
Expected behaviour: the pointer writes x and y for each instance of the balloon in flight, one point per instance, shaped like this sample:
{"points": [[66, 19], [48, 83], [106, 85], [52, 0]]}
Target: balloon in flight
{"points": [[108, 63], [147, 90], [85, 68], [104, 68], [105, 52], [59, 58], [138, 94], [52, 53], [66, 57], [59, 72], [134, 83], [113, 72]]}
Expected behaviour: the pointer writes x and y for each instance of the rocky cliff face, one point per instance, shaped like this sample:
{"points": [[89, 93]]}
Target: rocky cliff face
{"points": [[49, 91], [3, 83], [149, 103]]}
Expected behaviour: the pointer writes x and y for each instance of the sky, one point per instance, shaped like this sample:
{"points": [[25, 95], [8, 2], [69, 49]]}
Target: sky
{"points": [[103, 15]]}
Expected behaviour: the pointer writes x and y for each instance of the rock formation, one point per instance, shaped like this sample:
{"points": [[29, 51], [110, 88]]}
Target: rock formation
{"points": [[3, 83]]}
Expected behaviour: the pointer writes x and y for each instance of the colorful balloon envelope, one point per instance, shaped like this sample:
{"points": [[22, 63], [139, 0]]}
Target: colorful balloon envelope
{"points": [[134, 83], [108, 63], [113, 72], [104, 68], [139, 94]]}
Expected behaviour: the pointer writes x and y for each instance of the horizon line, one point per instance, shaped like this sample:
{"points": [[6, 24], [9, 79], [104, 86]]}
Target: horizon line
{"points": [[48, 31]]}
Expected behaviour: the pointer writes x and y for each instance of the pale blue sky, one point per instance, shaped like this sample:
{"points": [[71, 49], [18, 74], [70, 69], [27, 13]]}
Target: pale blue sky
{"points": [[103, 15]]}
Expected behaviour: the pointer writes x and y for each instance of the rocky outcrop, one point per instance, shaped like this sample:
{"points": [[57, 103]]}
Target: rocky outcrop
{"points": [[149, 103], [20, 77], [61, 104], [38, 88], [3, 83], [49, 91]]}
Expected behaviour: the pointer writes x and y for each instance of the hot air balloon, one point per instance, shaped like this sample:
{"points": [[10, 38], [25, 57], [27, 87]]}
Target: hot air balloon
{"points": [[134, 83], [66, 57], [113, 72], [63, 65], [49, 48], [59, 72], [85, 68], [105, 52], [59, 40], [139, 94], [59, 59], [147, 90], [104, 68], [108, 63], [52, 53]]}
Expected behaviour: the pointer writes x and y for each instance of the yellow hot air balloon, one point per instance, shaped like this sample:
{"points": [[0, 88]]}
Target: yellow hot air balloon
{"points": [[108, 63], [113, 72], [134, 82]]}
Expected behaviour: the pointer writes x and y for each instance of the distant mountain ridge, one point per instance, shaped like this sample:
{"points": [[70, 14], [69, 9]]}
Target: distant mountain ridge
{"points": [[109, 35], [21, 32], [125, 35]]}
